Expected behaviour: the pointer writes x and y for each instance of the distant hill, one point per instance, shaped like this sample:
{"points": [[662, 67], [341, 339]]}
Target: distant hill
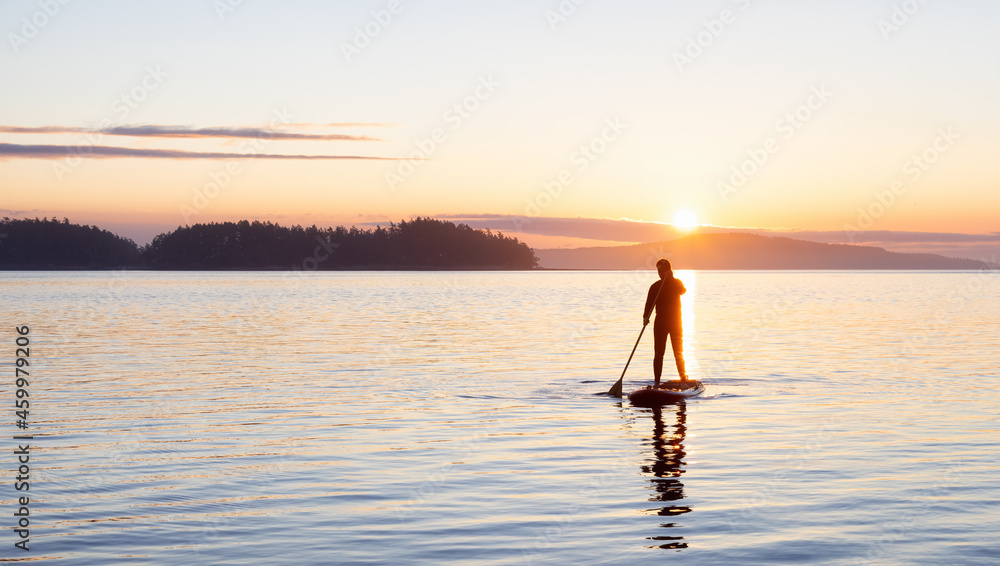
{"points": [[745, 251]]}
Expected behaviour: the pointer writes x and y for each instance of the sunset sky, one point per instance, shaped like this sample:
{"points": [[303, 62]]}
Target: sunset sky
{"points": [[868, 116]]}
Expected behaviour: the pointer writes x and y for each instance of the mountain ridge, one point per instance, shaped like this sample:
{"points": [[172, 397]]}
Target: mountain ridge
{"points": [[745, 251]]}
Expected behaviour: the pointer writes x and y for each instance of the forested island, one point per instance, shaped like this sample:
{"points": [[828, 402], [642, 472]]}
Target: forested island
{"points": [[422, 243]]}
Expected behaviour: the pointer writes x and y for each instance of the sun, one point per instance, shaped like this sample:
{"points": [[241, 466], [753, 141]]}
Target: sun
{"points": [[685, 219]]}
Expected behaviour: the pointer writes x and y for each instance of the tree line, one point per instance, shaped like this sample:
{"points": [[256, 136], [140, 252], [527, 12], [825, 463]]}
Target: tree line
{"points": [[423, 243]]}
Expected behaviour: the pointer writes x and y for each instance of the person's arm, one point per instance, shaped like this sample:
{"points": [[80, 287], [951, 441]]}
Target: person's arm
{"points": [[650, 297], [681, 289]]}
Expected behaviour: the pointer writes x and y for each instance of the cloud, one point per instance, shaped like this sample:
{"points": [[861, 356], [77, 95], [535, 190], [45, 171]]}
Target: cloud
{"points": [[160, 131], [344, 125], [9, 150], [841, 236], [15, 213]]}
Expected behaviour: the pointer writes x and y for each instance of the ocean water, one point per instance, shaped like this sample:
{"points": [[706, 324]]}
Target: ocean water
{"points": [[451, 418]]}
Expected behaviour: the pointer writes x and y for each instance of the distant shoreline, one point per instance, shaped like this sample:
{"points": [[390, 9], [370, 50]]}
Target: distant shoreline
{"points": [[425, 244]]}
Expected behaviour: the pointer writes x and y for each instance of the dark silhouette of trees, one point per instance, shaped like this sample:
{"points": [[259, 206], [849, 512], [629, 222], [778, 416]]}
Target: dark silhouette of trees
{"points": [[227, 245], [425, 242], [418, 244], [422, 243], [51, 244]]}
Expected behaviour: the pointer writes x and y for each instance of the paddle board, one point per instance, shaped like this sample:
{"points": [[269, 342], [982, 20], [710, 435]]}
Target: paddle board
{"points": [[669, 392]]}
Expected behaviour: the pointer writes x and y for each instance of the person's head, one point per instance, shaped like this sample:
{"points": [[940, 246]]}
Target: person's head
{"points": [[664, 269]]}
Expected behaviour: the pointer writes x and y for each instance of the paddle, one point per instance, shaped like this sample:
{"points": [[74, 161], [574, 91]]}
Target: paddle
{"points": [[616, 389]]}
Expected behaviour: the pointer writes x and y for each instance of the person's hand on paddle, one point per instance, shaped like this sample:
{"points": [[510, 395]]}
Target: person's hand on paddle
{"points": [[645, 320]]}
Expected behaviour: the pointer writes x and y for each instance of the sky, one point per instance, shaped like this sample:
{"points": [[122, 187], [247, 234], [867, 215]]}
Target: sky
{"points": [[859, 121]]}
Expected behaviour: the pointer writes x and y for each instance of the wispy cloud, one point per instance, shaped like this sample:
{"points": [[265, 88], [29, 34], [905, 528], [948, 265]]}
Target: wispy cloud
{"points": [[161, 131], [15, 213], [344, 125], [894, 236], [10, 150]]}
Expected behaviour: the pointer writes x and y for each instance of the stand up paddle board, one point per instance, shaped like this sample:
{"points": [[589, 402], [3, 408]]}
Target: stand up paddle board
{"points": [[669, 392]]}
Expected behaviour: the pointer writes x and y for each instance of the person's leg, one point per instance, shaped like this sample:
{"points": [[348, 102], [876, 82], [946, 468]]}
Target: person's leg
{"points": [[659, 349], [677, 344]]}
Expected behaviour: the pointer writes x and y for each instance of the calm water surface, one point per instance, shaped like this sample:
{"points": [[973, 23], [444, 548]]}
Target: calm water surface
{"points": [[450, 418]]}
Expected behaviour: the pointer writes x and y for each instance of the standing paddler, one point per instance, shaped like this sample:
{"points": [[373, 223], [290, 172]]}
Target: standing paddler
{"points": [[665, 297]]}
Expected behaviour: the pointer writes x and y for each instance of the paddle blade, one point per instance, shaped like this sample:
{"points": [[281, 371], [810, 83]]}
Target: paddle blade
{"points": [[616, 389]]}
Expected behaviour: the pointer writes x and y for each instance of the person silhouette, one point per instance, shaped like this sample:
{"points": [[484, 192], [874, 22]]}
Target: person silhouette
{"points": [[665, 297]]}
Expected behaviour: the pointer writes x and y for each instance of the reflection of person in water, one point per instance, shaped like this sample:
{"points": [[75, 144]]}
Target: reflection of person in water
{"points": [[665, 297], [668, 465]]}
